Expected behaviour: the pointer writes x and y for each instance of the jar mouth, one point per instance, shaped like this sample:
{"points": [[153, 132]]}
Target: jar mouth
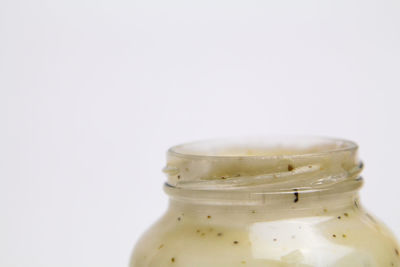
{"points": [[263, 165], [270, 147]]}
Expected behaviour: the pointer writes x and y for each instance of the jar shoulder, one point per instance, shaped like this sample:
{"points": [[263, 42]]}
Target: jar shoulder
{"points": [[344, 239]]}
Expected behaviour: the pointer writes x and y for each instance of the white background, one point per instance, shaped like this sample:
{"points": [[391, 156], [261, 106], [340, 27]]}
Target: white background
{"points": [[92, 93]]}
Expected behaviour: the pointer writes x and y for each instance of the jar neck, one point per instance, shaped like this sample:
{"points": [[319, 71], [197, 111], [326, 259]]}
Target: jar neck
{"points": [[293, 175], [295, 200]]}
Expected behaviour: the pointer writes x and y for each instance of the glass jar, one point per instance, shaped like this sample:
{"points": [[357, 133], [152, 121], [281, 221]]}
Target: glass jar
{"points": [[265, 202]]}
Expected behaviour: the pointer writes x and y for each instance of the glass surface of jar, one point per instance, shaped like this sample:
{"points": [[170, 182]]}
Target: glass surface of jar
{"points": [[265, 202]]}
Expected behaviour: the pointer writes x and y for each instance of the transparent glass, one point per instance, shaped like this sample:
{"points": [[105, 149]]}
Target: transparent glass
{"points": [[265, 202]]}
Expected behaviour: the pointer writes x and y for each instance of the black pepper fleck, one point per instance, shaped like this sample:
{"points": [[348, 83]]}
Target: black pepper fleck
{"points": [[296, 196], [334, 235], [235, 242], [361, 165], [172, 259], [208, 217], [397, 252], [219, 234], [339, 217], [290, 167]]}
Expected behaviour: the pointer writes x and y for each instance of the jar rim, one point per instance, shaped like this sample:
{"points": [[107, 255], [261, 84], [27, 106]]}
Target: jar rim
{"points": [[262, 147]]}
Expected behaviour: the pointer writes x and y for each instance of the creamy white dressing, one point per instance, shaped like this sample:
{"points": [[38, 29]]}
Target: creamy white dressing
{"points": [[249, 206]]}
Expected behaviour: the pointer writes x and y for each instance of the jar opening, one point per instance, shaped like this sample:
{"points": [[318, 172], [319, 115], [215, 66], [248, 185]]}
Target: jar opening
{"points": [[268, 165], [262, 147]]}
